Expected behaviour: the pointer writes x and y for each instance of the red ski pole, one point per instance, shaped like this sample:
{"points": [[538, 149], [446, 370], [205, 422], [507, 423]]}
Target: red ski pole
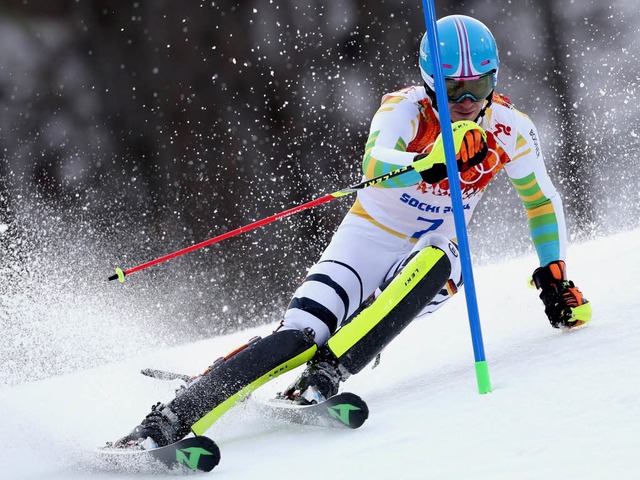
{"points": [[120, 274]]}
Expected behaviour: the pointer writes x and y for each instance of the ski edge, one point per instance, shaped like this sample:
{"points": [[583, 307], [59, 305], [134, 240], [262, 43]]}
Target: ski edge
{"points": [[343, 410], [196, 453]]}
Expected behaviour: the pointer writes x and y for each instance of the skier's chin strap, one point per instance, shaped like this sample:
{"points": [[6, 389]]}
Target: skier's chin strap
{"points": [[434, 102]]}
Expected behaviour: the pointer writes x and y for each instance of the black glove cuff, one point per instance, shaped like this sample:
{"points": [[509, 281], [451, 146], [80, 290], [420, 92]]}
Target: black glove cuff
{"points": [[542, 277], [550, 275], [432, 175]]}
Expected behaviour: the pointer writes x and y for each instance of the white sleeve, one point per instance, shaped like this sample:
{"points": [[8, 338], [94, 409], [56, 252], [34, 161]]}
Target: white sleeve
{"points": [[541, 200]]}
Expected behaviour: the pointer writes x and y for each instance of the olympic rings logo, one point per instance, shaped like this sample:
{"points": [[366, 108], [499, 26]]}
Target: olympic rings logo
{"points": [[492, 161]]}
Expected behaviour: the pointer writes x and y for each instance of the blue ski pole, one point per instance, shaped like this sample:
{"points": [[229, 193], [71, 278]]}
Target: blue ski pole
{"points": [[482, 370]]}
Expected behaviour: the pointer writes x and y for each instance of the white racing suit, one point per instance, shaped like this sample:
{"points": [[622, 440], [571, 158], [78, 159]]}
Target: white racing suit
{"points": [[387, 222], [392, 258]]}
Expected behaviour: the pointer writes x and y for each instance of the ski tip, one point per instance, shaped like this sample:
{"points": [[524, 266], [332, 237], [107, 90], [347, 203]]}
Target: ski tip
{"points": [[197, 453], [344, 410], [351, 409], [164, 375]]}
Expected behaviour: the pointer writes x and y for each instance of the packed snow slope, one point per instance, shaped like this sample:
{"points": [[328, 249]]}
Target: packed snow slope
{"points": [[563, 405]]}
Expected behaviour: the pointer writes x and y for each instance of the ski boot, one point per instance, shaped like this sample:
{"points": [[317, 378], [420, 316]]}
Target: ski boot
{"points": [[161, 427], [319, 381]]}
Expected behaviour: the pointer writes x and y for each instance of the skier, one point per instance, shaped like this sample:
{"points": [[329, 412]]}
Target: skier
{"points": [[394, 256]]}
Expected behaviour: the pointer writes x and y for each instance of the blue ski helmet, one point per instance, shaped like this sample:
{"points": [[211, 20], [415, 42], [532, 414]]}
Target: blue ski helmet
{"points": [[467, 49]]}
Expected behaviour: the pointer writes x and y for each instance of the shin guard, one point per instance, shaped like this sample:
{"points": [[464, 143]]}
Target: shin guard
{"points": [[388, 311], [237, 375]]}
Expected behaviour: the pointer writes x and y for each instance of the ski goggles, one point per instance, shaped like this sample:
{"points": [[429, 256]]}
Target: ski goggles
{"points": [[475, 88]]}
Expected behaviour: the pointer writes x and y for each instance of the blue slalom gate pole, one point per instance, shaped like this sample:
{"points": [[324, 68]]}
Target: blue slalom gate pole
{"points": [[482, 369]]}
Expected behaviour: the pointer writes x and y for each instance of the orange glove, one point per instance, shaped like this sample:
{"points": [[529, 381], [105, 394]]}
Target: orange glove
{"points": [[473, 150]]}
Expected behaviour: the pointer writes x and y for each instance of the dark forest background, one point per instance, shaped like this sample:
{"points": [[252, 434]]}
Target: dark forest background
{"points": [[129, 130]]}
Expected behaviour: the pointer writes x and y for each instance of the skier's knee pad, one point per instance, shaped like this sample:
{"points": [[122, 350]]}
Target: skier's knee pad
{"points": [[391, 308], [443, 243]]}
